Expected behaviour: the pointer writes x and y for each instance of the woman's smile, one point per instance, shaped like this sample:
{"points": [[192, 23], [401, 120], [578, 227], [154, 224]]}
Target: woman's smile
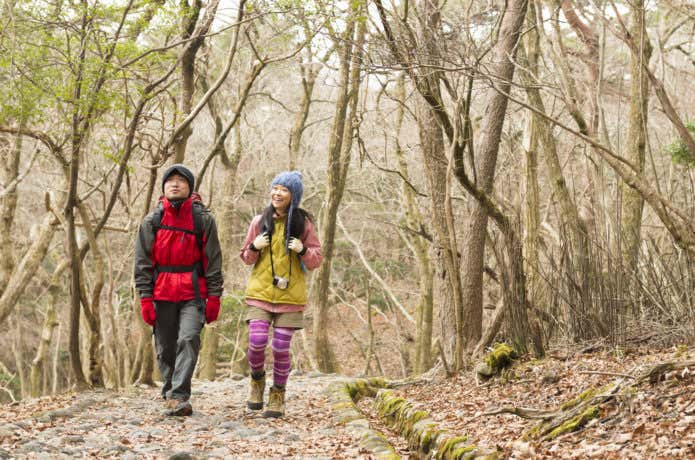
{"points": [[280, 198]]}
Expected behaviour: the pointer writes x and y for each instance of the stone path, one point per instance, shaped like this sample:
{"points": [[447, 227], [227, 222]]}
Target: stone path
{"points": [[130, 425]]}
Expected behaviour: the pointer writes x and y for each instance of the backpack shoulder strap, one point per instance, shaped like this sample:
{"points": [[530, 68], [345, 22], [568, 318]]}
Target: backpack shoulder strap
{"points": [[197, 210], [157, 215]]}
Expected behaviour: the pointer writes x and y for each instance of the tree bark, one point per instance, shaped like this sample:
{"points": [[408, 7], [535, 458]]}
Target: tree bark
{"points": [[49, 324], [339, 153], [10, 153], [632, 201], [190, 14], [419, 247], [207, 366], [93, 312], [308, 80], [533, 218], [26, 268], [502, 70], [570, 222]]}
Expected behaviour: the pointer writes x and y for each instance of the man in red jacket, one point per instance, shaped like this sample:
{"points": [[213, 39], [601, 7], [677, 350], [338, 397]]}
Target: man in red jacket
{"points": [[178, 273]]}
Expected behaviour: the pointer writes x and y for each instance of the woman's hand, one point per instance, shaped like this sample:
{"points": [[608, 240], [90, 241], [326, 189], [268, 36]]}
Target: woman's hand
{"points": [[296, 245], [260, 242]]}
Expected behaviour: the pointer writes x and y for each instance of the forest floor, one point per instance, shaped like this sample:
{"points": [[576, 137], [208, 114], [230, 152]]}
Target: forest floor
{"points": [[656, 420], [652, 421]]}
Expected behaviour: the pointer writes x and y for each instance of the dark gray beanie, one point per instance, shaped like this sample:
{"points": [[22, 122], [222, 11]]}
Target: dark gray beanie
{"points": [[182, 171]]}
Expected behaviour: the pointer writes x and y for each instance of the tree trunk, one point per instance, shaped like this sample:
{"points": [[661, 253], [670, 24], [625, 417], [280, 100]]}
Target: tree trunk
{"points": [[18, 352], [56, 362], [226, 223], [339, 153], [308, 81], [50, 322], [502, 70], [26, 268], [430, 115], [570, 222], [93, 313], [207, 366], [419, 247], [190, 16], [10, 153], [632, 201], [533, 217], [522, 324]]}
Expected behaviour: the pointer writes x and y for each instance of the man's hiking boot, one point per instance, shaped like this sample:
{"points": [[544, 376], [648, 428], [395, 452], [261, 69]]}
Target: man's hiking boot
{"points": [[276, 403], [256, 390], [178, 408]]}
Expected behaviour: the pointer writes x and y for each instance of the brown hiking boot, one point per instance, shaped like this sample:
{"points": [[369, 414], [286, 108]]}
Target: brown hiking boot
{"points": [[178, 408], [276, 403], [256, 390]]}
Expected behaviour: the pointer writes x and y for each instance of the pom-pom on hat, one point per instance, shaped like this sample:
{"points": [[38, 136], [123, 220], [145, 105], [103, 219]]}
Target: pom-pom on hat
{"points": [[293, 181], [181, 170]]}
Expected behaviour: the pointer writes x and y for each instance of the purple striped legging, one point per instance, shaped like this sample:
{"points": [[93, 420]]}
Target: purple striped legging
{"points": [[258, 340]]}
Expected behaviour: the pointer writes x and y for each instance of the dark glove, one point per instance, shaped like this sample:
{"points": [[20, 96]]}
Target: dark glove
{"points": [[212, 308], [149, 315]]}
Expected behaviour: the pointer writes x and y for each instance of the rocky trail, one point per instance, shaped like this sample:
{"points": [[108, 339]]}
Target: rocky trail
{"points": [[130, 425], [333, 417]]}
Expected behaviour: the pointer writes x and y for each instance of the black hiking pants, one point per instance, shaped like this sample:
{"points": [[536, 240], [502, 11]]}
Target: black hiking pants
{"points": [[177, 341]]}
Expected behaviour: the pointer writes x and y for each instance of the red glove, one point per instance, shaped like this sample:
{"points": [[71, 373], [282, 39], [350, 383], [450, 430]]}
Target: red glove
{"points": [[149, 315], [212, 308]]}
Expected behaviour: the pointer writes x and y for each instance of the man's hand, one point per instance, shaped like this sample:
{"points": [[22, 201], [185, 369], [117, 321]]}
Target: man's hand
{"points": [[149, 315], [296, 245], [260, 242], [212, 308]]}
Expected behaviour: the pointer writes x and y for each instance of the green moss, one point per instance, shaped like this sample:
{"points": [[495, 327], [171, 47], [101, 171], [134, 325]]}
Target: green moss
{"points": [[388, 405], [449, 446], [359, 388], [343, 405], [427, 437], [464, 452], [532, 433], [575, 422], [377, 382], [414, 416], [501, 356], [583, 396]]}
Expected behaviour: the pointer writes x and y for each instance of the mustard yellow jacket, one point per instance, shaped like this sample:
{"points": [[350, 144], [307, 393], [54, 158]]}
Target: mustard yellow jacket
{"points": [[287, 265]]}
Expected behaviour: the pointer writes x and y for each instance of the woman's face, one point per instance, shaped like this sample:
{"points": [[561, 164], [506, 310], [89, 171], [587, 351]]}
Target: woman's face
{"points": [[280, 198]]}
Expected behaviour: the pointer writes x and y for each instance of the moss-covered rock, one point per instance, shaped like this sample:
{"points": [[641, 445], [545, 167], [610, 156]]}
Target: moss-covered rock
{"points": [[501, 356], [342, 395], [421, 432]]}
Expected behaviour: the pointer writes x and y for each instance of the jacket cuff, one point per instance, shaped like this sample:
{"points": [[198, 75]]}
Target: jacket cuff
{"points": [[253, 248], [303, 251]]}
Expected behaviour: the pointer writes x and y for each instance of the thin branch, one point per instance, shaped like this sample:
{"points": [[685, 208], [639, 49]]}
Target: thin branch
{"points": [[373, 272]]}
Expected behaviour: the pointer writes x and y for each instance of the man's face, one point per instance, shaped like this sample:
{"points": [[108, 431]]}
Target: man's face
{"points": [[176, 187]]}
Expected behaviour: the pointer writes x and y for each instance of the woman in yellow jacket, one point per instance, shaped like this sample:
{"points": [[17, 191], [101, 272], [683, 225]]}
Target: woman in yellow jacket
{"points": [[282, 245]]}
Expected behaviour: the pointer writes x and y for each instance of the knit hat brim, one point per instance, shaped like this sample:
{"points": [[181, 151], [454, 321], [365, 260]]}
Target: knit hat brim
{"points": [[293, 181], [182, 171]]}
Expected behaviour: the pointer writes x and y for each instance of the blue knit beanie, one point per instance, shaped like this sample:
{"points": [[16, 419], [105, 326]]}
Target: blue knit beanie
{"points": [[293, 181]]}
